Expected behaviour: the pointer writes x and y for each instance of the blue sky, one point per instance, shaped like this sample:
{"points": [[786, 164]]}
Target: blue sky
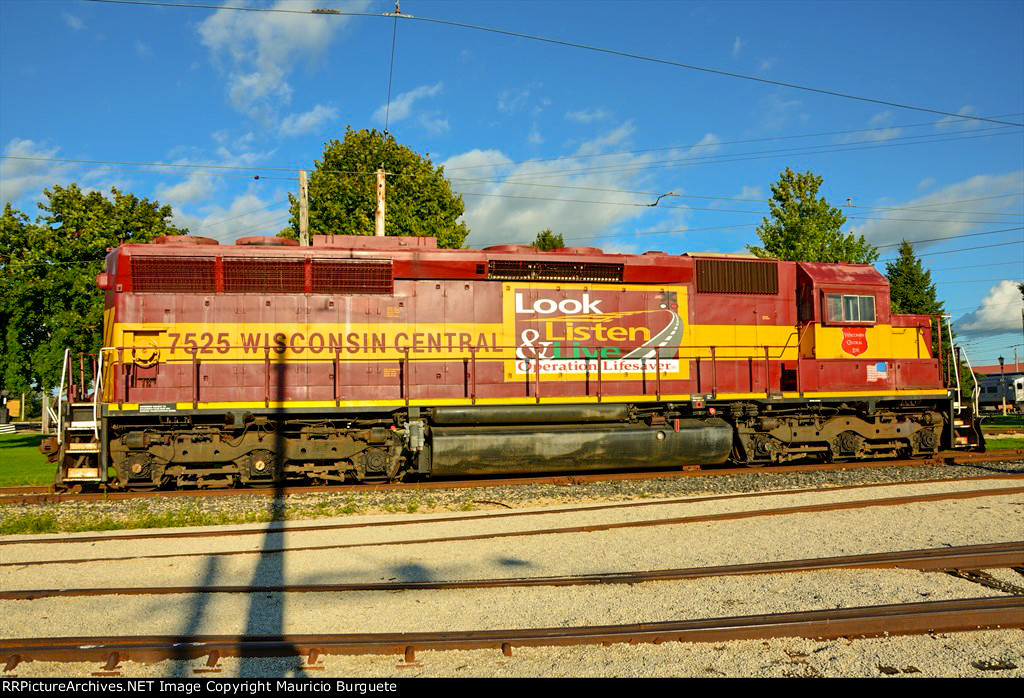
{"points": [[536, 135]]}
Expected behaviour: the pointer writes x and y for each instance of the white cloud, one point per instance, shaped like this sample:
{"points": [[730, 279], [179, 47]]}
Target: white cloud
{"points": [[948, 123], [777, 112], [883, 132], [766, 64], [894, 225], [247, 215], [516, 98], [737, 46], [194, 188], [73, 21], [402, 105], [515, 210], [308, 122], [19, 177], [433, 123], [998, 312], [535, 138], [199, 187], [586, 116], [142, 48], [258, 50]]}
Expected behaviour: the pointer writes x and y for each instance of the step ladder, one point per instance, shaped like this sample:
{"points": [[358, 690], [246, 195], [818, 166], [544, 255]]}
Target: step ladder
{"points": [[965, 426], [78, 435]]}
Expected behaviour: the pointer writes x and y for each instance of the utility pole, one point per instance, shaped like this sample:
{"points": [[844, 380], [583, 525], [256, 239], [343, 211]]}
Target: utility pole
{"points": [[303, 210], [1002, 383], [381, 186]]}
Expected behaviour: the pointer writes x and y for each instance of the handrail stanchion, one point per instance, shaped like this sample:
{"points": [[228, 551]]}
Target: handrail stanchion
{"points": [[266, 376], [337, 370], [536, 373], [714, 374], [657, 368], [123, 398], [599, 384], [195, 379], [472, 370], [405, 376], [767, 373]]}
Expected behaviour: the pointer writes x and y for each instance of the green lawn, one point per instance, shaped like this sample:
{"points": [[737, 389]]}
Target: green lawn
{"points": [[1004, 444], [21, 463], [996, 424]]}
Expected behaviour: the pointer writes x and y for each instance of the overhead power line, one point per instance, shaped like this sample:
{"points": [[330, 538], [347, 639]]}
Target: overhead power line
{"points": [[570, 44]]}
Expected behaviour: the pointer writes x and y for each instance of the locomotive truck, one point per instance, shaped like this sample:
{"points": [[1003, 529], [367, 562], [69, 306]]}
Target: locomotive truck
{"points": [[376, 358]]}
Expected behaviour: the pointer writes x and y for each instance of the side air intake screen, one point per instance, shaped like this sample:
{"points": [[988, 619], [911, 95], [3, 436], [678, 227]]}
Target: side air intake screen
{"points": [[169, 274], [735, 276], [353, 276]]}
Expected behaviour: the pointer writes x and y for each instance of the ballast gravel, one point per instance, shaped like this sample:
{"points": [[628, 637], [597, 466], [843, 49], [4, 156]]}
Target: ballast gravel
{"points": [[390, 552]]}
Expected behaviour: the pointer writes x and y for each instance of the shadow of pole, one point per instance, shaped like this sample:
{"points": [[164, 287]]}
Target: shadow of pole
{"points": [[265, 617], [195, 620]]}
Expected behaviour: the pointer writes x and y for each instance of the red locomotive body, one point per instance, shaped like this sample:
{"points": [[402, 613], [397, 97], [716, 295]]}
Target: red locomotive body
{"points": [[368, 358]]}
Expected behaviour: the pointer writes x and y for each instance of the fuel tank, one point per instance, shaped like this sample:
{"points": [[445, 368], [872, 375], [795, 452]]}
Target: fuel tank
{"points": [[491, 450]]}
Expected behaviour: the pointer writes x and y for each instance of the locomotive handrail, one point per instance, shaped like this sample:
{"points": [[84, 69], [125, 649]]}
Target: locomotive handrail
{"points": [[96, 390], [280, 353], [468, 354], [60, 396]]}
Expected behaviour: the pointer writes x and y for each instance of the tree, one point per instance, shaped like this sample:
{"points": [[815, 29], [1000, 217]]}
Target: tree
{"points": [[343, 192], [912, 292], [50, 299], [546, 240], [804, 228]]}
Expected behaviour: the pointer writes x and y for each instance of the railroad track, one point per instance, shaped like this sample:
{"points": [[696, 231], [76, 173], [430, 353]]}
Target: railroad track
{"points": [[43, 495], [207, 609], [270, 547], [950, 559], [864, 621]]}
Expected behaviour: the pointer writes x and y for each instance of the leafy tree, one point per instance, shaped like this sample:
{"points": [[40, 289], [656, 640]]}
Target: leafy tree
{"points": [[546, 240], [343, 192], [804, 228], [50, 299], [912, 292]]}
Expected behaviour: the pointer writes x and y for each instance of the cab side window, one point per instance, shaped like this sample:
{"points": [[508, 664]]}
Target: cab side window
{"points": [[842, 308]]}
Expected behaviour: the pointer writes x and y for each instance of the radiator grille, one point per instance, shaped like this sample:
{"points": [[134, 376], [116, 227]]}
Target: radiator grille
{"points": [[174, 274], [516, 270], [264, 275], [352, 276], [733, 276]]}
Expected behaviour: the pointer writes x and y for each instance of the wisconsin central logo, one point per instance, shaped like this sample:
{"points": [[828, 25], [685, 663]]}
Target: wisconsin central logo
{"points": [[572, 331]]}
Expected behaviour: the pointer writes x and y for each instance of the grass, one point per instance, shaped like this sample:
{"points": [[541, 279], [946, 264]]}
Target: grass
{"points": [[1004, 444], [996, 424], [21, 463], [50, 523]]}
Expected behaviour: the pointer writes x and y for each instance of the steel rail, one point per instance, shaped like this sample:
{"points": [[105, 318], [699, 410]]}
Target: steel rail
{"points": [[865, 621], [9, 496], [969, 557], [283, 529], [593, 528]]}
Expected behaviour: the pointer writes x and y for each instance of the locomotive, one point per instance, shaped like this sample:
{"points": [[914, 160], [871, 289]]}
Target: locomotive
{"points": [[371, 359]]}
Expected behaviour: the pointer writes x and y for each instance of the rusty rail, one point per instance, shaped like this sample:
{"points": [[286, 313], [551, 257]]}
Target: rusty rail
{"points": [[672, 521], [968, 557], [865, 621]]}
